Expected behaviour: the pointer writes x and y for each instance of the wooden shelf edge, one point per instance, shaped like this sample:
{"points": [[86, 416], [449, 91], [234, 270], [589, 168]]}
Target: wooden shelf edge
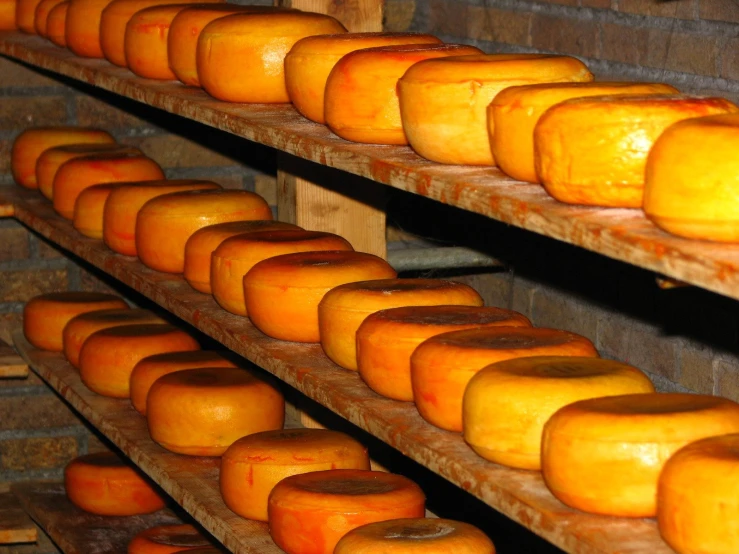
{"points": [[12, 365], [15, 525]]}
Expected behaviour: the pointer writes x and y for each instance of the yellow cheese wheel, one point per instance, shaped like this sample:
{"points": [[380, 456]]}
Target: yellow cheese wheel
{"points": [[41, 15], [343, 309], [145, 41], [167, 539], [7, 15], [83, 27], [88, 210], [253, 465], [507, 403], [605, 455], [56, 24], [25, 15]]}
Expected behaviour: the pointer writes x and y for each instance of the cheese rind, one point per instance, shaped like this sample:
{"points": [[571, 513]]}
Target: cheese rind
{"points": [[56, 24], [88, 210], [7, 15], [25, 15], [167, 539], [41, 15], [83, 27], [145, 41]]}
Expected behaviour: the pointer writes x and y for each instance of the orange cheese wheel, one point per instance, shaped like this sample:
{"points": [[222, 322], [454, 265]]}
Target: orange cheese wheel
{"points": [[41, 15], [7, 15], [416, 536], [164, 223], [310, 512], [206, 550], [698, 497], [235, 256], [240, 57], [605, 455], [443, 102], [603, 164], [104, 484], [25, 15], [692, 178], [282, 293], [507, 403], [167, 539], [200, 246], [152, 368], [108, 356], [442, 366], [253, 465], [123, 205], [386, 340], [88, 210], [56, 24], [145, 41], [80, 173], [83, 27], [344, 308], [45, 316], [311, 59], [32, 142], [201, 412], [82, 326], [515, 111]]}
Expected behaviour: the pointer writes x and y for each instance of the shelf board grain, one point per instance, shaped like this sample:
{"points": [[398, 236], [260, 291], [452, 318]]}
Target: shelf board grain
{"points": [[12, 365], [15, 525]]}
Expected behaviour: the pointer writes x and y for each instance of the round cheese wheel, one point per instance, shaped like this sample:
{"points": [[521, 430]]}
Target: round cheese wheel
{"points": [[123, 205], [206, 550], [108, 356], [83, 27], [7, 15], [235, 256], [253, 465], [167, 539], [80, 173], [41, 15], [604, 455], [507, 403], [82, 326], [201, 412], [114, 19], [45, 316], [603, 164], [145, 41], [25, 15], [692, 178], [88, 210], [416, 536], [240, 57], [344, 308], [282, 293], [56, 24], [32, 142], [361, 98], [164, 223], [698, 497], [310, 512], [386, 340], [200, 246], [311, 59], [152, 368], [443, 102], [515, 111], [442, 366], [104, 484]]}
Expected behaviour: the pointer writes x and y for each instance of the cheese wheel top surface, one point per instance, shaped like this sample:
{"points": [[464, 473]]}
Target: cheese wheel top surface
{"points": [[107, 465], [506, 338], [213, 379], [204, 241], [278, 23], [720, 454], [402, 55], [177, 359], [540, 369], [184, 536], [137, 193], [344, 43], [144, 330], [244, 245], [203, 202]]}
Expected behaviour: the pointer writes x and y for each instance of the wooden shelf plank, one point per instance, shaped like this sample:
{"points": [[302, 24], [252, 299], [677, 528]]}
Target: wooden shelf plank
{"points": [[521, 495], [15, 525], [12, 365]]}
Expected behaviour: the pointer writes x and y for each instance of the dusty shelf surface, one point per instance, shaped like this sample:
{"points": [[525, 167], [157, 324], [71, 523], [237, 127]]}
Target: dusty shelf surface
{"points": [[521, 495]]}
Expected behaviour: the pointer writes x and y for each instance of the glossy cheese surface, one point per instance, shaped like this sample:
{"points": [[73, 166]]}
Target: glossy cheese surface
{"points": [[88, 210], [145, 41], [7, 15], [605, 455], [167, 539], [41, 15], [83, 27], [56, 24]]}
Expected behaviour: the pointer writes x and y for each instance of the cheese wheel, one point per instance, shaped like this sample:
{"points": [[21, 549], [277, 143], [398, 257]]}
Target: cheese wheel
{"points": [[416, 536], [80, 173], [361, 99], [123, 205], [82, 326], [41, 15], [240, 57], [443, 102], [108, 356], [507, 403], [201, 412], [235, 256], [164, 223], [311, 59], [115, 17], [692, 179], [7, 15], [697, 506], [45, 316], [282, 293], [386, 340], [56, 24], [442, 366], [603, 164], [152, 368], [88, 210], [32, 142], [206, 550], [51, 160], [145, 41], [167, 539], [25, 14], [104, 484], [83, 27], [253, 465], [200, 246], [310, 512], [604, 455], [515, 111], [344, 308]]}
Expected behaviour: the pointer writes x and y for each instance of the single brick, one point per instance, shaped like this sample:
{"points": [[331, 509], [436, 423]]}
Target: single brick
{"points": [[495, 288], [35, 412], [37, 453], [171, 151], [13, 242], [93, 112], [562, 311], [727, 379], [565, 36], [20, 286], [683, 9], [447, 17], [18, 112], [720, 10], [730, 60], [494, 25], [696, 367], [685, 52], [621, 43]]}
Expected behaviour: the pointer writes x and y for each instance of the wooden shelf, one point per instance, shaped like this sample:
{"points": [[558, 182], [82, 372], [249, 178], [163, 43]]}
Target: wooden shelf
{"points": [[521, 495], [15, 525], [12, 365]]}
